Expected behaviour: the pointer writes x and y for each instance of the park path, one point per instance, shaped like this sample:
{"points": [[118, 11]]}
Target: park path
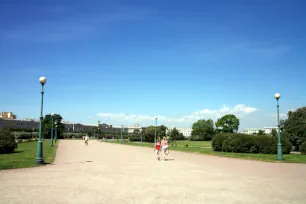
{"points": [[120, 174]]}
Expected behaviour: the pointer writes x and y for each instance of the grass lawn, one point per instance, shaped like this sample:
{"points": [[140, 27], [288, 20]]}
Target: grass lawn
{"points": [[25, 154], [202, 148], [193, 143]]}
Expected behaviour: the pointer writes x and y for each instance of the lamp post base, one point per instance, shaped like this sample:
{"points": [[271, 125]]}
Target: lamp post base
{"points": [[280, 152], [39, 156]]}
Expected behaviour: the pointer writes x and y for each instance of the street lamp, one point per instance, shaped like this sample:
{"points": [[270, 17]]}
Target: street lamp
{"points": [[141, 136], [155, 130], [52, 115], [279, 145], [99, 131], [121, 134], [39, 153], [56, 125]]}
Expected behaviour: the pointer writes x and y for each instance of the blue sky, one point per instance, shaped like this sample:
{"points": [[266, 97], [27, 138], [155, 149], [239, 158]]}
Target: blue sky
{"points": [[125, 62]]}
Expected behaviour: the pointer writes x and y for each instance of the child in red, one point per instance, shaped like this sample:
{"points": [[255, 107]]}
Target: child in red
{"points": [[157, 148]]}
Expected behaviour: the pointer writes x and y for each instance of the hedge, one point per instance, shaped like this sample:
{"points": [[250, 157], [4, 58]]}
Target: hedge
{"points": [[206, 137], [135, 138], [23, 135], [303, 148], [73, 135], [7, 142], [242, 143]]}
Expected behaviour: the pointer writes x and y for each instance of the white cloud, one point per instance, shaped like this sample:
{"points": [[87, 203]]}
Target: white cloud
{"points": [[239, 110]]}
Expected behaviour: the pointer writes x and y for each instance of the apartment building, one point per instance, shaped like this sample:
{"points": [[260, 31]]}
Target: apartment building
{"points": [[186, 131], [7, 115]]}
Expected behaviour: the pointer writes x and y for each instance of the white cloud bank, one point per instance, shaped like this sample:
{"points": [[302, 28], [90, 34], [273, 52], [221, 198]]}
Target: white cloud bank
{"points": [[239, 110]]}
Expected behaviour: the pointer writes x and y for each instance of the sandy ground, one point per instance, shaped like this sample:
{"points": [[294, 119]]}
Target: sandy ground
{"points": [[113, 174]]}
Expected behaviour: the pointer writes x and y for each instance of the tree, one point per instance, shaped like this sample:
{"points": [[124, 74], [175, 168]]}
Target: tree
{"points": [[174, 134], [274, 133], [47, 126], [261, 132], [202, 130], [161, 131], [135, 135], [149, 132], [136, 132], [229, 123], [294, 127]]}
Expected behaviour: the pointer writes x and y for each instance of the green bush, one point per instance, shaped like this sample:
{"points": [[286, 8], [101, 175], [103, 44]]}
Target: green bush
{"points": [[217, 142], [7, 142], [303, 148], [241, 143], [23, 135], [135, 139]]}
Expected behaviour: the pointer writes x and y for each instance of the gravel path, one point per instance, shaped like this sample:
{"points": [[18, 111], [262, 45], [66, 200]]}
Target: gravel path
{"points": [[117, 174]]}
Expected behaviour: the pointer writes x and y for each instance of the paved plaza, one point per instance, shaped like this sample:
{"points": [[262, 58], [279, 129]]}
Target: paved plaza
{"points": [[117, 174]]}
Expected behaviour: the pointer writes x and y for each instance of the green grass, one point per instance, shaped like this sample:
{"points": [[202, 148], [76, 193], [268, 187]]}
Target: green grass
{"points": [[203, 144], [201, 147], [25, 154]]}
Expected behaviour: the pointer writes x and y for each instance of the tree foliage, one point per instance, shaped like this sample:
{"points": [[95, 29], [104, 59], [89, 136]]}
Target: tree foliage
{"points": [[202, 130], [47, 126], [261, 132], [294, 127], [136, 132], [274, 133], [174, 135], [229, 123], [148, 133]]}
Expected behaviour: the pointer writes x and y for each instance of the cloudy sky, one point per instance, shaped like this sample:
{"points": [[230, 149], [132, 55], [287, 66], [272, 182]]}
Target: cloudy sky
{"points": [[126, 62]]}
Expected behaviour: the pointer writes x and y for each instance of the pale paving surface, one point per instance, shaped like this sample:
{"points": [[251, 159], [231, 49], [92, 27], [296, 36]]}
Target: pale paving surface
{"points": [[126, 174]]}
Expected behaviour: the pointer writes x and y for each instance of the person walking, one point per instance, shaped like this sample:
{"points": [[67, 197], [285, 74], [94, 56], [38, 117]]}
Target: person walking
{"points": [[86, 139], [157, 148], [164, 145]]}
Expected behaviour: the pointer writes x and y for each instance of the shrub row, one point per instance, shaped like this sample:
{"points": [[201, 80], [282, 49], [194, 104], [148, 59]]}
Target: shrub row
{"points": [[206, 137], [73, 135], [303, 148], [242, 143], [135, 139], [25, 135], [7, 142]]}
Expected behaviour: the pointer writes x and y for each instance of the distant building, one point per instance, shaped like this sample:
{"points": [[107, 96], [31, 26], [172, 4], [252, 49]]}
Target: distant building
{"points": [[132, 128], [251, 131], [7, 115], [19, 124], [266, 130], [186, 131]]}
